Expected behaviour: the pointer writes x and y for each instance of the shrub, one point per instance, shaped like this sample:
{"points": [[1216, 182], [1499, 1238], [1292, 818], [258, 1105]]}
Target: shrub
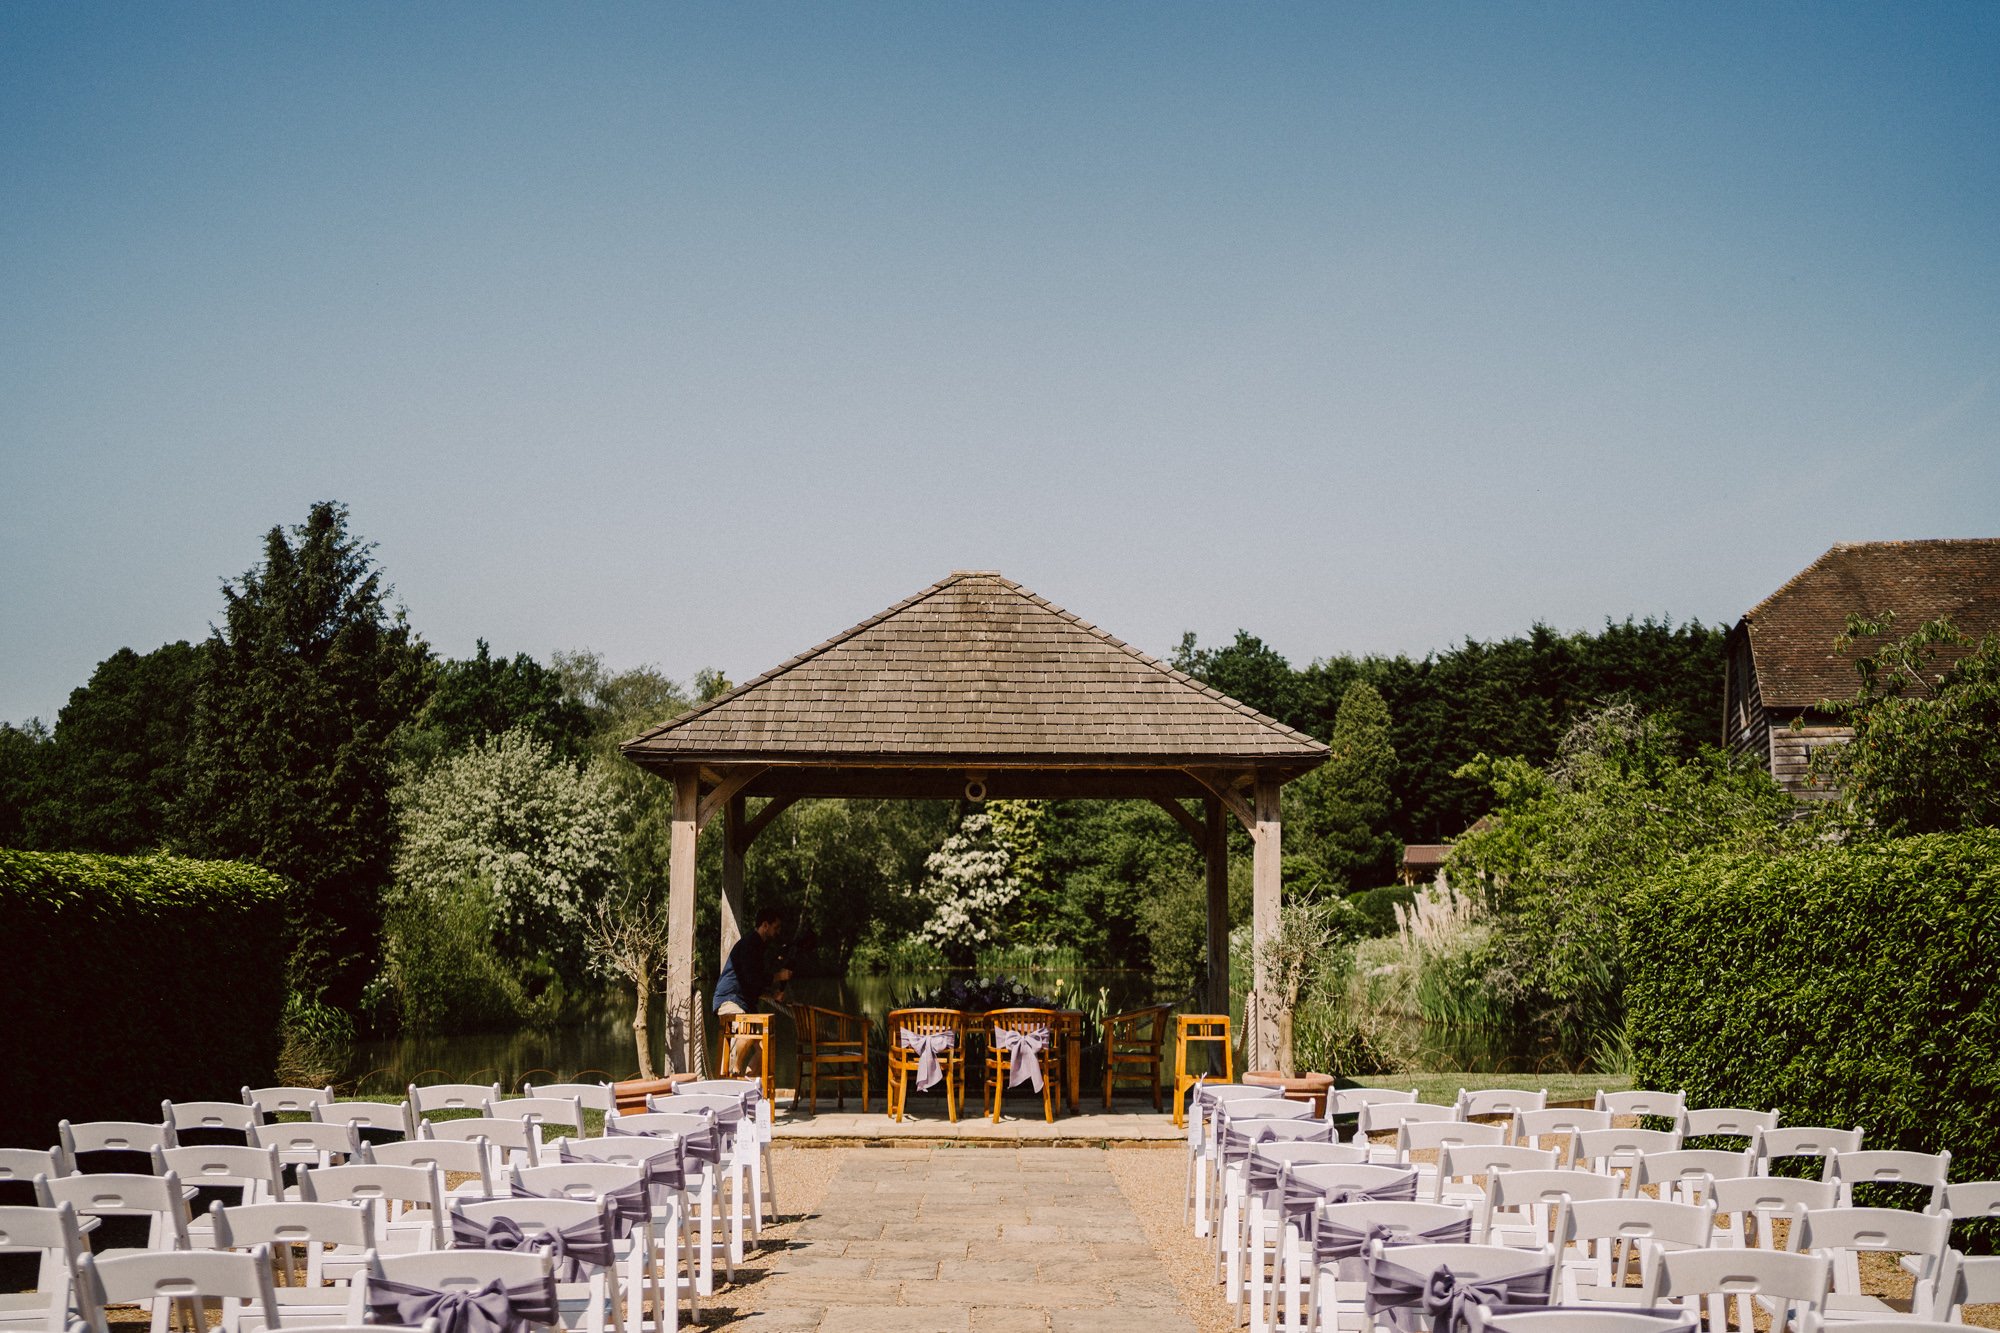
{"points": [[131, 979], [1851, 985]]}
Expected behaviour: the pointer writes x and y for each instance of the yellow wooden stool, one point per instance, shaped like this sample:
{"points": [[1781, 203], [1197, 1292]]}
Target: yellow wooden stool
{"points": [[1198, 1028], [742, 1037]]}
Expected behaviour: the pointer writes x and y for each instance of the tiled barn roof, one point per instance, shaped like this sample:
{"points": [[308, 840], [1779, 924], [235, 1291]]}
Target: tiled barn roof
{"points": [[1792, 631], [976, 667]]}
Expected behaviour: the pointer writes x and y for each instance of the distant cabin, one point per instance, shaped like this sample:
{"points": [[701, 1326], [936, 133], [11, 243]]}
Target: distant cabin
{"points": [[1422, 861], [1783, 666]]}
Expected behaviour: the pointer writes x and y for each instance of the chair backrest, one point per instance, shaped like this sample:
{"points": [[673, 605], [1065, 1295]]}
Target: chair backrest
{"points": [[1562, 1122], [1603, 1149], [113, 1136], [452, 1097], [308, 1141], [1657, 1221], [394, 1190], [1019, 1020], [744, 1089], [1609, 1319], [1687, 1170], [1328, 1176], [1972, 1198], [1641, 1101], [1434, 1135], [1803, 1141], [279, 1101], [1386, 1117], [1308, 1153], [1499, 1101], [1747, 1205], [255, 1170], [293, 1223], [566, 1112], [1967, 1280], [726, 1109], [578, 1180], [1930, 1170], [1810, 1322], [242, 1280], [393, 1116], [1349, 1101], [533, 1213], [1924, 1235], [1244, 1137], [595, 1096], [662, 1122], [1535, 1196], [1736, 1121], [159, 1198], [461, 1270], [522, 1135], [1400, 1217], [1137, 1031], [51, 1235], [18, 1169], [925, 1020], [1469, 1264], [1683, 1274], [210, 1122], [463, 1155], [1262, 1109], [629, 1150], [1460, 1161]]}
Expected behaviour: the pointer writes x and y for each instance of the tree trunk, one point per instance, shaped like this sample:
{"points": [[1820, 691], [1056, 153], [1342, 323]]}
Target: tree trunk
{"points": [[642, 1032], [1285, 1059]]}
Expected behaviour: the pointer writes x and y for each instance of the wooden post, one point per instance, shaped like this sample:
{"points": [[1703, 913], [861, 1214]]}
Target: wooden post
{"points": [[1267, 879], [685, 829], [734, 923], [1215, 851]]}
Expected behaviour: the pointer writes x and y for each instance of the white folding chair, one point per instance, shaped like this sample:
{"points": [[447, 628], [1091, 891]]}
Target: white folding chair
{"points": [[1688, 1174], [1725, 1121], [1606, 1151], [1930, 1171], [1499, 1101], [1842, 1234], [375, 1122], [445, 1156], [158, 1200], [1203, 1100], [240, 1282], [309, 1142], [408, 1201], [646, 1275], [1322, 1262], [704, 1160], [508, 1141], [1562, 1123], [221, 1173], [1803, 1141], [677, 1255], [1746, 1207], [1521, 1208], [1388, 1117], [601, 1097], [51, 1235], [1433, 1137], [752, 1094], [1461, 1166], [1968, 1280], [734, 1114], [451, 1097], [1306, 1188], [453, 1271], [1529, 1276], [20, 1166], [594, 1304], [1972, 1198], [271, 1102], [333, 1238], [1264, 1212], [1641, 1101], [1603, 1243], [222, 1123], [114, 1147], [1707, 1280]]}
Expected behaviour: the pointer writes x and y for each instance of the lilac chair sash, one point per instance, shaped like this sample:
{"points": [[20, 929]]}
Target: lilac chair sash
{"points": [[1334, 1241], [1024, 1047], [1261, 1174], [575, 1249], [1441, 1302], [928, 1046], [494, 1308], [629, 1204], [666, 1175], [1298, 1197], [704, 1145]]}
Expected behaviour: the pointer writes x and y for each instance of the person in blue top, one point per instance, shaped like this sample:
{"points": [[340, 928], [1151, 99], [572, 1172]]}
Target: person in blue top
{"points": [[748, 979]]}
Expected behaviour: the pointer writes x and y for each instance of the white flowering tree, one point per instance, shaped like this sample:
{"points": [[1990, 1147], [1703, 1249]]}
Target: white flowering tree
{"points": [[540, 833], [971, 886]]}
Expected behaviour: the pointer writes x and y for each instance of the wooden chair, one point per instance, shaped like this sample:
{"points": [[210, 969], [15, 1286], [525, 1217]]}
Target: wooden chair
{"points": [[743, 1049], [1132, 1041], [903, 1060], [1195, 1028], [832, 1046], [1000, 1061]]}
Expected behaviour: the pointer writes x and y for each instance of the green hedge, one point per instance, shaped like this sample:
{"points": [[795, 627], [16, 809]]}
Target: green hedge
{"points": [[129, 979], [1854, 985]]}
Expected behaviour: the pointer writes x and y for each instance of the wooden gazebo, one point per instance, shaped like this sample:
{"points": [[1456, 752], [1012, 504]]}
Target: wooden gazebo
{"points": [[975, 688]]}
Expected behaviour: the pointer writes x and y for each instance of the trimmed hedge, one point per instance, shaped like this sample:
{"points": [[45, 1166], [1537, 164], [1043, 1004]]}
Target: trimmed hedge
{"points": [[129, 979], [1855, 985]]}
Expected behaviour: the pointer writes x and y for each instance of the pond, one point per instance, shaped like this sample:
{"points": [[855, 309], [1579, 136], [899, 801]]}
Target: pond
{"points": [[599, 1044]]}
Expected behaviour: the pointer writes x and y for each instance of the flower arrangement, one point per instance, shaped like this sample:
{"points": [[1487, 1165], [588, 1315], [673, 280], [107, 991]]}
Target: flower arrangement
{"points": [[977, 995]]}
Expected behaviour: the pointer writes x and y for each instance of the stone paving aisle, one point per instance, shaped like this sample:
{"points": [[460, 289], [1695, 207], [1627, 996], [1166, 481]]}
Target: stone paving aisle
{"points": [[966, 1240]]}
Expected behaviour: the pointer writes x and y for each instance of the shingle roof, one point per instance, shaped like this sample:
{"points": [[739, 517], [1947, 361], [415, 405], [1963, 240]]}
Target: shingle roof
{"points": [[1792, 631], [976, 667]]}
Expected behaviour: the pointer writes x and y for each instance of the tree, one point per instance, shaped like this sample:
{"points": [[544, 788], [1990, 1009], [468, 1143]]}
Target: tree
{"points": [[1249, 671], [115, 760], [291, 744], [1341, 810], [23, 776], [482, 696], [970, 885], [1925, 757]]}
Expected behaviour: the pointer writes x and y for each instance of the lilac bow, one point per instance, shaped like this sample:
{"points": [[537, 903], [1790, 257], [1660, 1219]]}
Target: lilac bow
{"points": [[1333, 1242], [1296, 1198], [1026, 1065], [574, 1249], [666, 1173], [928, 1046], [494, 1308], [1442, 1298]]}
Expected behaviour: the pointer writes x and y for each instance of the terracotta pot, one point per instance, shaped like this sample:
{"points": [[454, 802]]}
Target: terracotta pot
{"points": [[1302, 1088]]}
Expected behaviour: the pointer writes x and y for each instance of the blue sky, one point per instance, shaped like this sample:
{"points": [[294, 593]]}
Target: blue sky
{"points": [[695, 334]]}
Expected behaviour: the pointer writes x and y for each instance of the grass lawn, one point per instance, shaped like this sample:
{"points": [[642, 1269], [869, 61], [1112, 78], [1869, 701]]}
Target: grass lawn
{"points": [[1444, 1087]]}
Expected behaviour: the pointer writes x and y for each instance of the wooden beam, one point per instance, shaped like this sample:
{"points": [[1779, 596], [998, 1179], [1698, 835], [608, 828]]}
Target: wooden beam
{"points": [[1194, 826], [725, 791], [1224, 787], [1215, 849], [1267, 879], [734, 913], [760, 821], [684, 830]]}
